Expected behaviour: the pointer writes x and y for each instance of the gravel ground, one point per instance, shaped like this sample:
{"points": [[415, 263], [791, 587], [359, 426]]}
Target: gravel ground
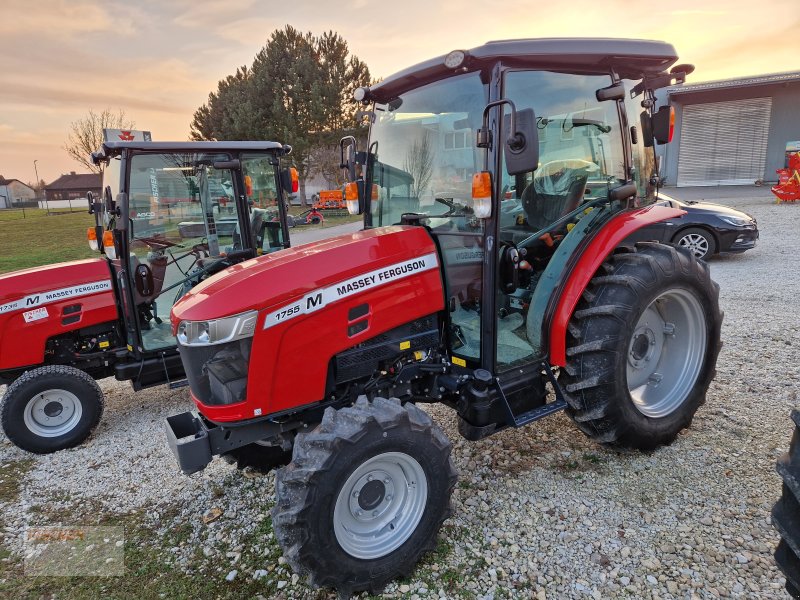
{"points": [[539, 512]]}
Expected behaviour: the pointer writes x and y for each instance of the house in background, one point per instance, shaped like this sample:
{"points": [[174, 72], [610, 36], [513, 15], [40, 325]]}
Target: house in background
{"points": [[74, 186], [731, 132], [14, 192]]}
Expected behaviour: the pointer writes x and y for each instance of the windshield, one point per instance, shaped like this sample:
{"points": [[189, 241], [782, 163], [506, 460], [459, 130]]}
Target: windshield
{"points": [[424, 150]]}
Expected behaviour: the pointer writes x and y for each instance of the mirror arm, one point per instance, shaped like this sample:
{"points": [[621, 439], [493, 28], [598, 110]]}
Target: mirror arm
{"points": [[515, 140]]}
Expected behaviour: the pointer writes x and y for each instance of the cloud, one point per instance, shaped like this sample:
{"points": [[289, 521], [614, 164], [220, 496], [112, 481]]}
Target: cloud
{"points": [[58, 18], [26, 95]]}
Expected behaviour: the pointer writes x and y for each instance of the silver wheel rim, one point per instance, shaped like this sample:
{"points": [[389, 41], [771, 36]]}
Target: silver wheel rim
{"points": [[52, 413], [696, 243], [380, 505], [666, 353]]}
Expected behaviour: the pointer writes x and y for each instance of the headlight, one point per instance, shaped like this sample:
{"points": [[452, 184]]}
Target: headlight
{"points": [[217, 331], [737, 221]]}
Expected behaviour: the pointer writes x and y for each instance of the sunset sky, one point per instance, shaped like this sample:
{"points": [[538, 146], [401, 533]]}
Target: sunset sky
{"points": [[159, 60]]}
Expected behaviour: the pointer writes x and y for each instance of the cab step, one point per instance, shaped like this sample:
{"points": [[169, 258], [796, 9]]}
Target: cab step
{"points": [[559, 404]]}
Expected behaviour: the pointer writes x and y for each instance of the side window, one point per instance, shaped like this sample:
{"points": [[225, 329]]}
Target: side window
{"points": [[580, 147], [644, 157], [261, 188], [260, 184], [111, 176]]}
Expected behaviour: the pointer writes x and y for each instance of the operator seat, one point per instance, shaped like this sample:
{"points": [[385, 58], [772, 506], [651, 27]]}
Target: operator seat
{"points": [[557, 188]]}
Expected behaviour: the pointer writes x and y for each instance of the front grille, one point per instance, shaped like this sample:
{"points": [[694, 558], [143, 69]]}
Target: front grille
{"points": [[217, 374]]}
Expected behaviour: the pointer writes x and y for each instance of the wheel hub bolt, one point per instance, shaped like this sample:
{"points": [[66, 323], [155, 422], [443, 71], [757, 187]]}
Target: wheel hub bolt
{"points": [[388, 498], [355, 494]]}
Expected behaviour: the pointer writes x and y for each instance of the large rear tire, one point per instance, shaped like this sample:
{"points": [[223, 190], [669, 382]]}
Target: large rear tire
{"points": [[364, 496], [786, 513], [51, 408], [642, 348]]}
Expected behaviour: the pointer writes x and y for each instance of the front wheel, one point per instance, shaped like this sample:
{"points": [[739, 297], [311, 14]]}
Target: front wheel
{"points": [[643, 350], [51, 408], [364, 496]]}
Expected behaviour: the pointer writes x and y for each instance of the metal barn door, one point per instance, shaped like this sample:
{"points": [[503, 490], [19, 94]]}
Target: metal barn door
{"points": [[724, 143]]}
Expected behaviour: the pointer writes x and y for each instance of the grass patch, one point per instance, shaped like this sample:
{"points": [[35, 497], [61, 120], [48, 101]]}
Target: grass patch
{"points": [[150, 571], [40, 239], [12, 474]]}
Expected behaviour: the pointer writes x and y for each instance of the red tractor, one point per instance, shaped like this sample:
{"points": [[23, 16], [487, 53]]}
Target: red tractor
{"points": [[498, 187], [164, 224]]}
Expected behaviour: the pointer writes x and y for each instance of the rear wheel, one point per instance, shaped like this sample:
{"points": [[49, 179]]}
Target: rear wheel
{"points": [[51, 408], [643, 347], [364, 496], [697, 241], [786, 513]]}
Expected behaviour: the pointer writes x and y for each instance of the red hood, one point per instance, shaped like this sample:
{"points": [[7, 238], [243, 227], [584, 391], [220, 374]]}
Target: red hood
{"points": [[276, 279], [17, 284]]}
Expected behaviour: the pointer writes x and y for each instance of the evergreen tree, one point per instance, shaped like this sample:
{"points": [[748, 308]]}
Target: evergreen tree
{"points": [[299, 91]]}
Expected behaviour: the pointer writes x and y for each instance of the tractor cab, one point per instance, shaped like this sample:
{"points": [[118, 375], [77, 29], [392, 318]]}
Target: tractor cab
{"points": [[512, 155], [172, 215]]}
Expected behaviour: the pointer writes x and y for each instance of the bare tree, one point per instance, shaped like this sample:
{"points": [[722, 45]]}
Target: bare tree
{"points": [[86, 134], [323, 160], [419, 164]]}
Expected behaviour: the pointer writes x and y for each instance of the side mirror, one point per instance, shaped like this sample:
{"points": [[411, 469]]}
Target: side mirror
{"points": [[290, 181], [94, 207], [663, 122], [348, 148], [143, 280], [647, 129], [108, 200], [521, 149]]}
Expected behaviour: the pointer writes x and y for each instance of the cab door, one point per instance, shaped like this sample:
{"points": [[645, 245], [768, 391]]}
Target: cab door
{"points": [[183, 221], [580, 159]]}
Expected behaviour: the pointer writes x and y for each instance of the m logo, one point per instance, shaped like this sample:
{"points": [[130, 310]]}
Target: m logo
{"points": [[32, 300], [314, 301]]}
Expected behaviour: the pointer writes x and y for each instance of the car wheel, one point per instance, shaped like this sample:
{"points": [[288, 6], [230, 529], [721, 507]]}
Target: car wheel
{"points": [[698, 241]]}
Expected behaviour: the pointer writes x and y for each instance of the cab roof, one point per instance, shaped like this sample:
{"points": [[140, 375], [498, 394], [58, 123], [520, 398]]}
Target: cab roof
{"points": [[113, 148], [631, 59]]}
